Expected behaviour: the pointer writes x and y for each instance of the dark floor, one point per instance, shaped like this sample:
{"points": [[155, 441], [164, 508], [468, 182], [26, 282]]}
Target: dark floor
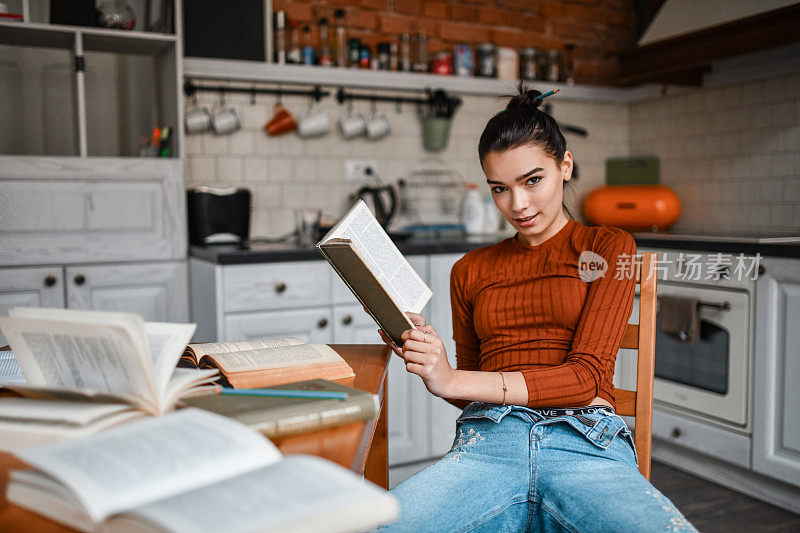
{"points": [[711, 508]]}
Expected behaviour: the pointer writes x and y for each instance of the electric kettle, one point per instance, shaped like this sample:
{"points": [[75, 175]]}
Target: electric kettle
{"points": [[382, 201]]}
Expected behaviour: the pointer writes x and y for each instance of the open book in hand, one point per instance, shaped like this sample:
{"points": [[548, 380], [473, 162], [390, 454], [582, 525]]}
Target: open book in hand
{"points": [[268, 362], [364, 256], [192, 471], [67, 354]]}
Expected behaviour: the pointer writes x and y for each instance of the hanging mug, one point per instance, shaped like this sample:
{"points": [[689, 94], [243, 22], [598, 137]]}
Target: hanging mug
{"points": [[224, 119], [378, 127], [314, 124], [197, 119], [282, 121]]}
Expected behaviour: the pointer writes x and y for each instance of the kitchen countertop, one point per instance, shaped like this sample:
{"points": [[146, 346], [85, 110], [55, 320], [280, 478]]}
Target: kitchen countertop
{"points": [[234, 254]]}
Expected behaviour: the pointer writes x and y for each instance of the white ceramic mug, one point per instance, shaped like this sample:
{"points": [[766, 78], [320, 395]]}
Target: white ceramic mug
{"points": [[378, 127], [197, 120], [225, 120], [315, 124], [352, 125]]}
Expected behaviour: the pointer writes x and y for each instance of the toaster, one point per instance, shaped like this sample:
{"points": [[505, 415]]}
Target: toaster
{"points": [[218, 215]]}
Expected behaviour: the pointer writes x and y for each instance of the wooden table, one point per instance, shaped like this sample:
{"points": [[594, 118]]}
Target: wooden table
{"points": [[362, 446]]}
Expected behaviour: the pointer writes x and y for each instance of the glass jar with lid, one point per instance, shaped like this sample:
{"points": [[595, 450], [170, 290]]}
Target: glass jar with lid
{"points": [[529, 64], [486, 64]]}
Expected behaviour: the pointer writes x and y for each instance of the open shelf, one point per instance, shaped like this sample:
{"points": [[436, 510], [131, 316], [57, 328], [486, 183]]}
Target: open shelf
{"points": [[236, 70], [95, 39]]}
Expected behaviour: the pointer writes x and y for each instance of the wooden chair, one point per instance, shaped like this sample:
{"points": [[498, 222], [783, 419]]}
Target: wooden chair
{"points": [[642, 337]]}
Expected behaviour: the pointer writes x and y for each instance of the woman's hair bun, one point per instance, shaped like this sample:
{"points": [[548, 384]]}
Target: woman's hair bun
{"points": [[525, 98]]}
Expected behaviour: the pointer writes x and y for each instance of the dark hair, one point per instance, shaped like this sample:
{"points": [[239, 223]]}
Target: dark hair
{"points": [[520, 123]]}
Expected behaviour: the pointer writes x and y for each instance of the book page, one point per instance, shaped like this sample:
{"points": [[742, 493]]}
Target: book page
{"points": [[277, 357], [52, 412], [299, 493], [167, 342], [10, 371], [382, 257], [213, 348], [80, 356], [141, 462]]}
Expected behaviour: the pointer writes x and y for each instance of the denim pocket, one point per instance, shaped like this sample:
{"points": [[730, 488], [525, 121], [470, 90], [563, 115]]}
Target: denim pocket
{"points": [[602, 429]]}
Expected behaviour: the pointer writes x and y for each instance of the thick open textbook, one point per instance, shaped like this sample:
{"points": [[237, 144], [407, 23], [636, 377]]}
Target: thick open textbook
{"points": [[268, 362], [192, 471], [66, 354], [364, 256]]}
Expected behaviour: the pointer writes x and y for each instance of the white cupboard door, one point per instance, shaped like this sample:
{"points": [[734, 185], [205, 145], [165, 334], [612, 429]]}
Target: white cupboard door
{"points": [[776, 424], [443, 415], [157, 291], [30, 287], [310, 325], [409, 421], [352, 325]]}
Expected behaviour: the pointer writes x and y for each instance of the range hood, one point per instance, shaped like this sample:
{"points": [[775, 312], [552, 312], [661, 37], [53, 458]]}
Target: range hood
{"points": [[685, 36]]}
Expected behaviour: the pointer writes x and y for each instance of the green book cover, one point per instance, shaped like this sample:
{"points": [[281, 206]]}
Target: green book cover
{"points": [[277, 417]]}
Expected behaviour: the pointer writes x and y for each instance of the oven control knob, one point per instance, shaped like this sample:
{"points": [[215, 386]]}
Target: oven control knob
{"points": [[676, 433]]}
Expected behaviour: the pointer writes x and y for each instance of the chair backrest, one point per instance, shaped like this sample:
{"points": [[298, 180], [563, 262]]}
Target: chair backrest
{"points": [[642, 337]]}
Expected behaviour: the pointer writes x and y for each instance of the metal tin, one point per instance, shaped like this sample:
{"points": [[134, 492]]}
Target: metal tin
{"points": [[442, 63]]}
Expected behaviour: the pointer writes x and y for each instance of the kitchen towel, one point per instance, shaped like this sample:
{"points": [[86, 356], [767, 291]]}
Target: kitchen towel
{"points": [[679, 317]]}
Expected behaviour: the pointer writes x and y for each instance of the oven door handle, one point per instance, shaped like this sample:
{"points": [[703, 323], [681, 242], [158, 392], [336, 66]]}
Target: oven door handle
{"points": [[724, 306]]}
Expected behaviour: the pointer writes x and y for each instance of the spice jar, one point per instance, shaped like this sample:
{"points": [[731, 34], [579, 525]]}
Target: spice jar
{"points": [[384, 56], [486, 61], [528, 66], [507, 63], [463, 63], [554, 66]]}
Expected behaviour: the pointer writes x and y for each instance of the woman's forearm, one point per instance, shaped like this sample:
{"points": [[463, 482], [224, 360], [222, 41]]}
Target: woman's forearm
{"points": [[487, 387]]}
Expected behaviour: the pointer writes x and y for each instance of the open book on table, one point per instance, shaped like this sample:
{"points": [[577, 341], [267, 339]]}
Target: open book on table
{"points": [[192, 471], [268, 362], [105, 356], [367, 260]]}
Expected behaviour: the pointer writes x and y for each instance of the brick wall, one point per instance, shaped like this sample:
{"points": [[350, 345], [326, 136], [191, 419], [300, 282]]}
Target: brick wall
{"points": [[597, 28]]}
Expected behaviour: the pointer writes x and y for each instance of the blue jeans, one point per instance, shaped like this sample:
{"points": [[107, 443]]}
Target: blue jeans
{"points": [[512, 469]]}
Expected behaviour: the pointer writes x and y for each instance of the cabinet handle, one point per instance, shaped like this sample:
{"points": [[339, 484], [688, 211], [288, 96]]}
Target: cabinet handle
{"points": [[49, 281], [676, 433], [347, 320], [761, 269], [80, 279], [322, 323], [280, 287]]}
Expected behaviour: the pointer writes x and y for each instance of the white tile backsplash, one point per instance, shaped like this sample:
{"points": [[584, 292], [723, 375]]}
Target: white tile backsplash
{"points": [[734, 148]]}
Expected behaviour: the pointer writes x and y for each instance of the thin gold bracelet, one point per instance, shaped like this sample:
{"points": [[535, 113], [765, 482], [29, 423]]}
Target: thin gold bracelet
{"points": [[504, 387]]}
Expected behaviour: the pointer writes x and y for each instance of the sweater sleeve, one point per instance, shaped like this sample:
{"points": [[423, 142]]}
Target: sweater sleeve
{"points": [[597, 336], [467, 343]]}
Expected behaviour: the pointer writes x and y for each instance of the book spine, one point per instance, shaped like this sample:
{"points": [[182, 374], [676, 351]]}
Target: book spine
{"points": [[363, 408]]}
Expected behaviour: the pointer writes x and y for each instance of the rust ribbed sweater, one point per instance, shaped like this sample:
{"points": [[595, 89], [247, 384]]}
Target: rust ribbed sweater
{"points": [[526, 308]]}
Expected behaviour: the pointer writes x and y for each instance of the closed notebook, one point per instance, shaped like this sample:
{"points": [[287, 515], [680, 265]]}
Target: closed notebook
{"points": [[277, 417]]}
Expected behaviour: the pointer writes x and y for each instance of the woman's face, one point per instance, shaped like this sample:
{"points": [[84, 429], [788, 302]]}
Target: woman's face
{"points": [[525, 182]]}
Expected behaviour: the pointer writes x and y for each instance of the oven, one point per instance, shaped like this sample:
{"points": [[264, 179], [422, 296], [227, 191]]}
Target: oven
{"points": [[710, 378]]}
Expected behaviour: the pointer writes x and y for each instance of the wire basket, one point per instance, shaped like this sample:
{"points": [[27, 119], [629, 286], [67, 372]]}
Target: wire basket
{"points": [[430, 196]]}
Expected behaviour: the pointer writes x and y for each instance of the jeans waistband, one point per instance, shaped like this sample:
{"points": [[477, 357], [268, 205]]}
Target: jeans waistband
{"points": [[557, 412], [498, 412]]}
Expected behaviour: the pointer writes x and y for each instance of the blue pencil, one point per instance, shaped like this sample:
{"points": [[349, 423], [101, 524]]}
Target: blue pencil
{"points": [[282, 393]]}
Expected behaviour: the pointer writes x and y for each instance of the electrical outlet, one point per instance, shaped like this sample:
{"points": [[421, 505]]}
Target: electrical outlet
{"points": [[360, 170]]}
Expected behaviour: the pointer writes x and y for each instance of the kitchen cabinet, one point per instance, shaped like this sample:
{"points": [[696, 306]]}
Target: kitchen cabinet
{"points": [[30, 287], [311, 325], [776, 425], [157, 291]]}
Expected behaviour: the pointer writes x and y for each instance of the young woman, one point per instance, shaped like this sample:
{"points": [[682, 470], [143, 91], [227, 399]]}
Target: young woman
{"points": [[538, 446]]}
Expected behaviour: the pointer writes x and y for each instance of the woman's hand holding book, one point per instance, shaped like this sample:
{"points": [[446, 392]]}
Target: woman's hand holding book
{"points": [[425, 356]]}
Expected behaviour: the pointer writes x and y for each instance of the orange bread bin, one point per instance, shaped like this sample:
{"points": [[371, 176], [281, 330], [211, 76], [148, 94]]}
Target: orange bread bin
{"points": [[632, 207]]}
